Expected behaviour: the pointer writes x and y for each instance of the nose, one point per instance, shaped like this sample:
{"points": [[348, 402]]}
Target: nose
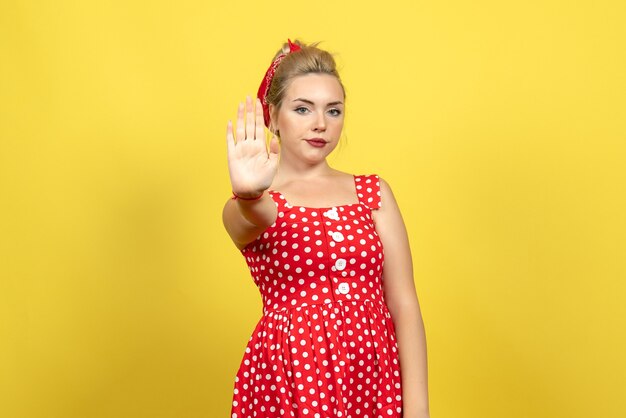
{"points": [[320, 123]]}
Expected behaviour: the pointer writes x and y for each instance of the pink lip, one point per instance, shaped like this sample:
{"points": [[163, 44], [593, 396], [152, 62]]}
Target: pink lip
{"points": [[316, 142]]}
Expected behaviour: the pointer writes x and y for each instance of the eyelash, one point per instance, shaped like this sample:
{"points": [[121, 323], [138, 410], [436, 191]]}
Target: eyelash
{"points": [[337, 111]]}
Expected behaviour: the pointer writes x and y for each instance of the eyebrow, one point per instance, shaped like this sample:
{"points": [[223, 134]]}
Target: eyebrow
{"points": [[300, 99]]}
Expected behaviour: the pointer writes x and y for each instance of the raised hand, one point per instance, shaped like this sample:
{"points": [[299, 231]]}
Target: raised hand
{"points": [[251, 167]]}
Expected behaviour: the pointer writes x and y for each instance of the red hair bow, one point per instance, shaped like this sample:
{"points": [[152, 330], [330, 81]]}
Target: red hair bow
{"points": [[267, 81]]}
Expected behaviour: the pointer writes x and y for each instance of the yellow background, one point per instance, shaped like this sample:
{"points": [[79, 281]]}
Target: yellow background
{"points": [[499, 125]]}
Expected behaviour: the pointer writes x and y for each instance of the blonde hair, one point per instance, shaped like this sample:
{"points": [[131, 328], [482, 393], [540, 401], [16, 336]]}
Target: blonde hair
{"points": [[309, 59]]}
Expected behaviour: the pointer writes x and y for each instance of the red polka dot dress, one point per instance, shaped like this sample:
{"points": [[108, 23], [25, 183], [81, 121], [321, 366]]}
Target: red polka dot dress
{"points": [[325, 345]]}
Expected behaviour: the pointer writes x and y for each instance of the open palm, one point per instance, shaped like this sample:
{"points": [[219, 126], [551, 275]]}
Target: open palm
{"points": [[251, 167]]}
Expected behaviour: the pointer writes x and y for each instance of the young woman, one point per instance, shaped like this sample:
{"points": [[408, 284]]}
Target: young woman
{"points": [[341, 333]]}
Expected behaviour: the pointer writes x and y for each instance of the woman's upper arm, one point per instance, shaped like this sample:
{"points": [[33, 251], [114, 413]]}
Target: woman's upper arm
{"points": [[398, 284]]}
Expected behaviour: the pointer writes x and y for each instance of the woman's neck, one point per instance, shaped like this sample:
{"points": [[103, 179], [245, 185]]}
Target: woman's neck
{"points": [[288, 172]]}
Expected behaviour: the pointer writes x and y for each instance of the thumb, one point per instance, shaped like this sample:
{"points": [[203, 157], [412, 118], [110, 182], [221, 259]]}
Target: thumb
{"points": [[274, 147]]}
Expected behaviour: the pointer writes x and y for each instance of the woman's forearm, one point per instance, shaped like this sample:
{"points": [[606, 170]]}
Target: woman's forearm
{"points": [[411, 337], [246, 219]]}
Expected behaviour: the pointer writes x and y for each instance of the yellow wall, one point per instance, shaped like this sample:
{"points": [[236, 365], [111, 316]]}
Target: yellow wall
{"points": [[499, 125]]}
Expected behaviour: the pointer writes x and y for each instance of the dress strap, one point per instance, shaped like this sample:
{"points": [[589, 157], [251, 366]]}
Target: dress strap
{"points": [[279, 200], [368, 190]]}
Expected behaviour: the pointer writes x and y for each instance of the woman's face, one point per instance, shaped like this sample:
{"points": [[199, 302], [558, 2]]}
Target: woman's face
{"points": [[310, 118]]}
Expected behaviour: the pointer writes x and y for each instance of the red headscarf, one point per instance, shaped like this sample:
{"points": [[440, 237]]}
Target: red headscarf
{"points": [[267, 81]]}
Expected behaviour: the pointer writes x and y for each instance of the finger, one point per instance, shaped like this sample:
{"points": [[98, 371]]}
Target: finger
{"points": [[241, 133], [260, 124], [249, 118], [230, 139]]}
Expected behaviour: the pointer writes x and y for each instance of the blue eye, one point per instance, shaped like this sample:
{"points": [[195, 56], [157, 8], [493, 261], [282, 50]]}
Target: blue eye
{"points": [[335, 112], [299, 109]]}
